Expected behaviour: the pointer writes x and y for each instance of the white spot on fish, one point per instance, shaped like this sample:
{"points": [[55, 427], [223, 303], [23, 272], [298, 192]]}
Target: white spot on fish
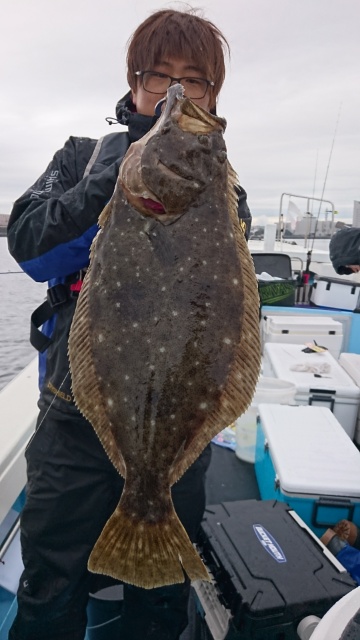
{"points": [[110, 402], [135, 325], [118, 284], [100, 337], [175, 313], [215, 277], [162, 349], [235, 281], [204, 229], [163, 288], [204, 262], [172, 416], [203, 322], [127, 377], [227, 340], [117, 305], [151, 367], [152, 422], [203, 405]]}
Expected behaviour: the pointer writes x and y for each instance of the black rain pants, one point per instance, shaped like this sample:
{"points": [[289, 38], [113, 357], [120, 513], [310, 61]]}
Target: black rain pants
{"points": [[72, 490]]}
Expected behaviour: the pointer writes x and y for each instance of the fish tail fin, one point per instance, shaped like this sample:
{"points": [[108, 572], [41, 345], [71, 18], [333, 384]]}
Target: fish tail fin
{"points": [[146, 554]]}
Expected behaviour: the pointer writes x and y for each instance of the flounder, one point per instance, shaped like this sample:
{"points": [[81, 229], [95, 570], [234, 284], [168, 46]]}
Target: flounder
{"points": [[164, 346]]}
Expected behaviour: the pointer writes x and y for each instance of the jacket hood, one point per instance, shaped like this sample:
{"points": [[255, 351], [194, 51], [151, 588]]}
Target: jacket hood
{"points": [[138, 125], [345, 249]]}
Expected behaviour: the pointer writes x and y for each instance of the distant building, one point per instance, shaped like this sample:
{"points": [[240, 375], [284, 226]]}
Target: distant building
{"points": [[3, 223], [309, 225], [356, 214]]}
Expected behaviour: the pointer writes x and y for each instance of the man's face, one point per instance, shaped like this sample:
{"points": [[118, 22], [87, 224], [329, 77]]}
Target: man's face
{"points": [[145, 102]]}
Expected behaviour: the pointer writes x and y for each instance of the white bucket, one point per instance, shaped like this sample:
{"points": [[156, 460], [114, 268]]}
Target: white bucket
{"points": [[268, 390]]}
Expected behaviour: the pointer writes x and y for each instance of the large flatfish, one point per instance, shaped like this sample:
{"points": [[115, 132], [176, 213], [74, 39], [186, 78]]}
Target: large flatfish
{"points": [[164, 345]]}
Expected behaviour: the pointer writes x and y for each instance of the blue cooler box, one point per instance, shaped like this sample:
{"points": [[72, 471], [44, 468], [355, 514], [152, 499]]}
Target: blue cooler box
{"points": [[304, 458]]}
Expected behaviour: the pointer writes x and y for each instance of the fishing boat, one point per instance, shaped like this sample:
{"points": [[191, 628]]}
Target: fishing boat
{"points": [[230, 478]]}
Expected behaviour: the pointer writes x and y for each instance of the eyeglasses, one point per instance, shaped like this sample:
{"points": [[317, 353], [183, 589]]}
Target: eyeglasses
{"points": [[156, 82]]}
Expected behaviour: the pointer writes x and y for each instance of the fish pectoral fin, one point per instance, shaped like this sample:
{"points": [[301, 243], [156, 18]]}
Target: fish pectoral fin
{"points": [[144, 554]]}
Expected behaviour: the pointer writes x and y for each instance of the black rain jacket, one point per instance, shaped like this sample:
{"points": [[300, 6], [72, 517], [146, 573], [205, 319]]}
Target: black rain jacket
{"points": [[345, 249], [53, 223]]}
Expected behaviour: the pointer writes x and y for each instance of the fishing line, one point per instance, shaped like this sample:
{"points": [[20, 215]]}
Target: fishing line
{"points": [[326, 175], [47, 411]]}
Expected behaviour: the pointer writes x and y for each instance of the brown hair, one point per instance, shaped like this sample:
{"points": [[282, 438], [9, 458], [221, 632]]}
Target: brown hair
{"points": [[178, 34]]}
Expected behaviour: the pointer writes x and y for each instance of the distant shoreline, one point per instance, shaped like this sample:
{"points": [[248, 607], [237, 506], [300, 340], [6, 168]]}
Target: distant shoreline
{"points": [[3, 233]]}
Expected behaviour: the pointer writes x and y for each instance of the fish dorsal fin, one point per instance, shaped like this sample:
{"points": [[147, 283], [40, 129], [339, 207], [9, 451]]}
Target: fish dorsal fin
{"points": [[85, 384], [243, 376]]}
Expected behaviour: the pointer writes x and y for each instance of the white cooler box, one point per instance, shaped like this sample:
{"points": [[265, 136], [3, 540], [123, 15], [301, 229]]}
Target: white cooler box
{"points": [[303, 457], [335, 293], [301, 329], [351, 363], [335, 389]]}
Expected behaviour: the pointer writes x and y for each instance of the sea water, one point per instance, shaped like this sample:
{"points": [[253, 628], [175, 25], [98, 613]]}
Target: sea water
{"points": [[19, 296]]}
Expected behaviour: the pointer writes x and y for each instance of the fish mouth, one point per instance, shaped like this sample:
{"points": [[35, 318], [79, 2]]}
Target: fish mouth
{"points": [[153, 205]]}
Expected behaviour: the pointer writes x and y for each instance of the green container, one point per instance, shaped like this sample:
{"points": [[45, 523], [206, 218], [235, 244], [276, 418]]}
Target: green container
{"points": [[277, 292]]}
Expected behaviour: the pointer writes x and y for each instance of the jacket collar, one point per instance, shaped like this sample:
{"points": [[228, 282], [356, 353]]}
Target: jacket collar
{"points": [[126, 114]]}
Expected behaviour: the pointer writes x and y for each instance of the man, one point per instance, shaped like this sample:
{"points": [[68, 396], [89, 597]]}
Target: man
{"points": [[72, 487], [345, 251]]}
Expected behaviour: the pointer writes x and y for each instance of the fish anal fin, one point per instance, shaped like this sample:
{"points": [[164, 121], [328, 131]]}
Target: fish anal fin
{"points": [[144, 554]]}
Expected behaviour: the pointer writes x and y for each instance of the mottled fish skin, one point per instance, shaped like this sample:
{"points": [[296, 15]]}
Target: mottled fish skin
{"points": [[164, 346]]}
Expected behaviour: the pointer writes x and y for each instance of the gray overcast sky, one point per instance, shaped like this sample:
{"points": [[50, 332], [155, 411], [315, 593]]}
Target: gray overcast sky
{"points": [[294, 74]]}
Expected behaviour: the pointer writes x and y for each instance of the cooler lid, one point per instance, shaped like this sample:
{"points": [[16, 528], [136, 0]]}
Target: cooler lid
{"points": [[305, 324], [283, 357], [351, 363], [310, 451], [344, 281]]}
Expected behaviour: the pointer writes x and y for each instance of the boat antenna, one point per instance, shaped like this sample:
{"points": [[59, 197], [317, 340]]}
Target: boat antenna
{"points": [[325, 180], [316, 165]]}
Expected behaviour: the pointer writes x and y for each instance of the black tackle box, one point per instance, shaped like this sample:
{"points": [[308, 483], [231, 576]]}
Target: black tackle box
{"points": [[269, 572]]}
